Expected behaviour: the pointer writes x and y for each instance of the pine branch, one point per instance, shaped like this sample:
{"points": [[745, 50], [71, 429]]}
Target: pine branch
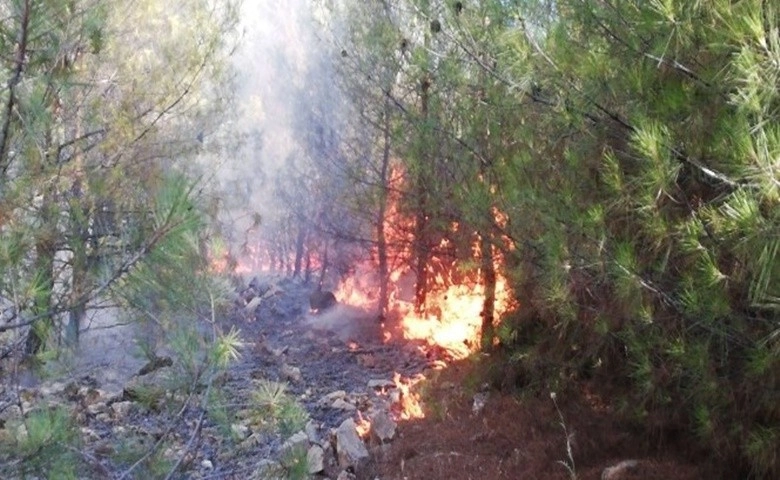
{"points": [[718, 177], [16, 77]]}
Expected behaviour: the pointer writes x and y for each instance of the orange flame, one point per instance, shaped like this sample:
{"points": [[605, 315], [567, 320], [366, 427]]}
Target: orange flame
{"points": [[408, 405], [363, 425], [452, 314]]}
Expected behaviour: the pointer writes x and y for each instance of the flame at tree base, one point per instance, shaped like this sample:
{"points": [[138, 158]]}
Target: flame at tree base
{"points": [[454, 323], [408, 402], [452, 319]]}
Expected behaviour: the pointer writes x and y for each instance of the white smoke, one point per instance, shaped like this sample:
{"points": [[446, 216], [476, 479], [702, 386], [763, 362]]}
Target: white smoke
{"points": [[274, 63]]}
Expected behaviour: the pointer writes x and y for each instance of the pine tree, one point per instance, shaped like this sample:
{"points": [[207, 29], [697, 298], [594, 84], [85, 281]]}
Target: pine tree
{"points": [[92, 116]]}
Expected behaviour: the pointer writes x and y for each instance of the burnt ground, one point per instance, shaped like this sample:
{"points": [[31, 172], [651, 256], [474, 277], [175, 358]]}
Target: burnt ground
{"points": [[513, 436], [468, 431]]}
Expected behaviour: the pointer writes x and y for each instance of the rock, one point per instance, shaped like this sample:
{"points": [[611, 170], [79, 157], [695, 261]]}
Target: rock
{"points": [[350, 450], [333, 396], [206, 464], [298, 439], [252, 305], [291, 374], [382, 427], [381, 384], [341, 404], [121, 409], [266, 470], [251, 441], [90, 395], [52, 389], [89, 435], [97, 408], [616, 472], [345, 475], [311, 430], [320, 301], [315, 459]]}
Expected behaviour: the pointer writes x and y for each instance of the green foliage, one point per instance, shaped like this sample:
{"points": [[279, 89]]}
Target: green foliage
{"points": [[174, 294], [633, 148], [152, 397], [218, 411], [92, 115], [47, 441], [98, 125], [278, 410], [295, 463], [226, 348], [132, 447]]}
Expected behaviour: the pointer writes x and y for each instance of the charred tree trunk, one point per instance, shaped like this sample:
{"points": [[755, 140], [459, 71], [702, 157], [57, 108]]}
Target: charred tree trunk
{"points": [[20, 55], [307, 272], [421, 263], [380, 221], [422, 249], [487, 267], [489, 278], [323, 269], [300, 243], [286, 264]]}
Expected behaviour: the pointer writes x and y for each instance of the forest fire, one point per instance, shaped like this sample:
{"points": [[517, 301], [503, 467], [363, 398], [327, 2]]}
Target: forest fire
{"points": [[222, 261], [451, 316], [408, 402], [452, 319], [457, 321]]}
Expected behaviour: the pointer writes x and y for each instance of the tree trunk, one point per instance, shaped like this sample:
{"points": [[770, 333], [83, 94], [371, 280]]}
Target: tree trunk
{"points": [[300, 242], [489, 303], [422, 249], [323, 268], [307, 274], [8, 109], [45, 249], [380, 220], [487, 267], [79, 286], [79, 239]]}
